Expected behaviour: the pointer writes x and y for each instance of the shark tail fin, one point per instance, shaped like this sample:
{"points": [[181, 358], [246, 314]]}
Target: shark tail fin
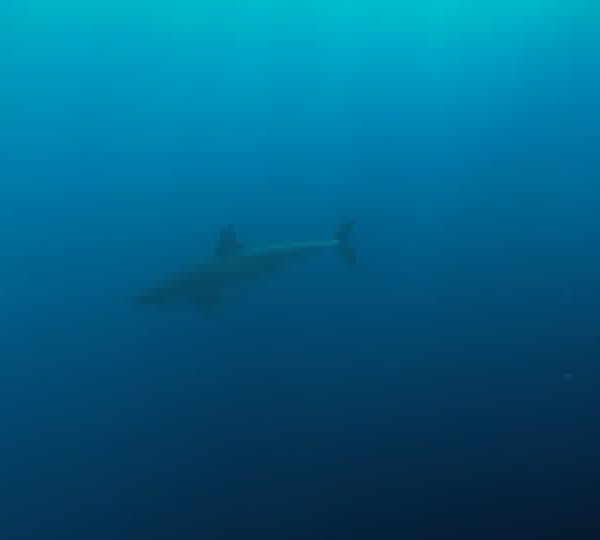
{"points": [[342, 237]]}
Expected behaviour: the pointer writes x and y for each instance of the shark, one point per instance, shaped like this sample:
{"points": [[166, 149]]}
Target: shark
{"points": [[233, 264]]}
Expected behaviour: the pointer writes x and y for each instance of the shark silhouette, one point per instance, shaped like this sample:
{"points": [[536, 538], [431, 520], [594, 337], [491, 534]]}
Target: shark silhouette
{"points": [[233, 264]]}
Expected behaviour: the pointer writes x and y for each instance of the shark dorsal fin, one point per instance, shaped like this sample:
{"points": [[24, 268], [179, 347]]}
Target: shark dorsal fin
{"points": [[227, 243]]}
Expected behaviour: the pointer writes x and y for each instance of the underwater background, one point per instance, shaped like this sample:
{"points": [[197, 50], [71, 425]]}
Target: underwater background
{"points": [[446, 386]]}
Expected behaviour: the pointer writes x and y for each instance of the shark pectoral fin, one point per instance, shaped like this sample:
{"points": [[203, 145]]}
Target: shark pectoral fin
{"points": [[211, 311], [210, 304]]}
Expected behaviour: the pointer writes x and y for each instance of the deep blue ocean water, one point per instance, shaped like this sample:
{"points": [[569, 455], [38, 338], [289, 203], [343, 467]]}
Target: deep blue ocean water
{"points": [[446, 386]]}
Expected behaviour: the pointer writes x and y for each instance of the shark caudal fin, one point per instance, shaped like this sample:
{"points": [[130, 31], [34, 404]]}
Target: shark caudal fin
{"points": [[342, 237]]}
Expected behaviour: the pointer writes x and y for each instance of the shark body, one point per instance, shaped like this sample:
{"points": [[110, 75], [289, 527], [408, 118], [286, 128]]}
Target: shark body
{"points": [[232, 265]]}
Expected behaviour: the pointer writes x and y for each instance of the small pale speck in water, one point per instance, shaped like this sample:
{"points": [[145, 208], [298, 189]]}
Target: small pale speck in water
{"points": [[568, 377]]}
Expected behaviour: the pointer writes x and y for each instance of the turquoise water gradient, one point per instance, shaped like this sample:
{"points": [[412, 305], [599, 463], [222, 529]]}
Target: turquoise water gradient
{"points": [[447, 386]]}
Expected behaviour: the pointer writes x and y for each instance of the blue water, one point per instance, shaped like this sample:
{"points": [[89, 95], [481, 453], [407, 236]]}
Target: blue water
{"points": [[447, 386]]}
